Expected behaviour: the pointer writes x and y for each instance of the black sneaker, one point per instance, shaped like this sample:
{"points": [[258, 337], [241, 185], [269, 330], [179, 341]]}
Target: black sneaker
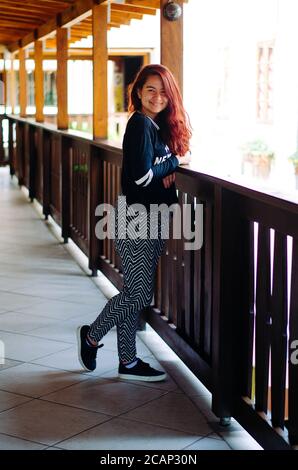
{"points": [[141, 371], [87, 354]]}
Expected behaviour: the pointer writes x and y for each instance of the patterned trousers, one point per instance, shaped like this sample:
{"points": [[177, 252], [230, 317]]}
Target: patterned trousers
{"points": [[139, 259]]}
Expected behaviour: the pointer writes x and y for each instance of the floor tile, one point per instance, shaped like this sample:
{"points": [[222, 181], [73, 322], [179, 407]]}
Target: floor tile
{"points": [[47, 423], [240, 440], [166, 411], [14, 443], [9, 363], [208, 443], [59, 309], [105, 396], [35, 380], [10, 400], [20, 323], [119, 434], [21, 347], [14, 301]]}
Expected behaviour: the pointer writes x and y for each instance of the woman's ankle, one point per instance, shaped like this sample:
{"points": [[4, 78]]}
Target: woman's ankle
{"points": [[91, 341]]}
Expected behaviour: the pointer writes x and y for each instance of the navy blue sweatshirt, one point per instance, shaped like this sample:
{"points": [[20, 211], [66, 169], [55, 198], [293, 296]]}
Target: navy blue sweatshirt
{"points": [[146, 161]]}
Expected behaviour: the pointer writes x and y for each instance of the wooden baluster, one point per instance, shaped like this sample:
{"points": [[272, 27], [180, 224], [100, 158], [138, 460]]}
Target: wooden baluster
{"points": [[180, 275], [262, 319], [279, 330], [95, 198], [248, 324], [293, 349], [47, 150]]}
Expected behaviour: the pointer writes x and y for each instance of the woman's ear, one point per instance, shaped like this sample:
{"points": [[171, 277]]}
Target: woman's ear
{"points": [[139, 93]]}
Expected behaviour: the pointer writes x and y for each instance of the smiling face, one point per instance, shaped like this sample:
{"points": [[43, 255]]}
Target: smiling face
{"points": [[153, 96]]}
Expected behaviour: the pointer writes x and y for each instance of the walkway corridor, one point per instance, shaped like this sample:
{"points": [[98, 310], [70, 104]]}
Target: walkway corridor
{"points": [[46, 399]]}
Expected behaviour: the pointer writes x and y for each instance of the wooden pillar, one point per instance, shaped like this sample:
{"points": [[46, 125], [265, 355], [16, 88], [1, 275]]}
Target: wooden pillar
{"points": [[171, 43], [62, 52], [23, 83], [100, 71], [38, 78], [11, 84], [3, 86]]}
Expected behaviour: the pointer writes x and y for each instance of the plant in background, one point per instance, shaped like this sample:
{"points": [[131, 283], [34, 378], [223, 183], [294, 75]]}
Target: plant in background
{"points": [[294, 159], [257, 148], [259, 155]]}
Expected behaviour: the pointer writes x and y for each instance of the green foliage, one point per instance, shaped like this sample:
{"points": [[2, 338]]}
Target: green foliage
{"points": [[294, 158], [80, 168], [257, 148]]}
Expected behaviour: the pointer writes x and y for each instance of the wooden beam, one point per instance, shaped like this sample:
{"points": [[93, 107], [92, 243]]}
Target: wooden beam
{"points": [[13, 47], [100, 71], [144, 3], [38, 78], [23, 82], [62, 52], [47, 29], [23, 25], [171, 44], [28, 39], [119, 15], [133, 9], [77, 11]]}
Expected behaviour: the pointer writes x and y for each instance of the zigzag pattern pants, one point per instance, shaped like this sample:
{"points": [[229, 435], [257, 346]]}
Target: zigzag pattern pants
{"points": [[139, 261]]}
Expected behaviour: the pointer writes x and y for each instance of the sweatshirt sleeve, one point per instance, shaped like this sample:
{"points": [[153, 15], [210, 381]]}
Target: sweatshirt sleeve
{"points": [[141, 156]]}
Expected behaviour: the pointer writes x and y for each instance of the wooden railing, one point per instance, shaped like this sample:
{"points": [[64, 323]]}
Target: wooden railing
{"points": [[216, 307]]}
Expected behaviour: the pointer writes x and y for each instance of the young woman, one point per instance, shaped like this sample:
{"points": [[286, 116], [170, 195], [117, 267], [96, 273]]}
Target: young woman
{"points": [[156, 141]]}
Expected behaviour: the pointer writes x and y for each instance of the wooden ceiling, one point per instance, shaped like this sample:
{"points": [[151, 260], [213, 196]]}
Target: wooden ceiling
{"points": [[23, 21]]}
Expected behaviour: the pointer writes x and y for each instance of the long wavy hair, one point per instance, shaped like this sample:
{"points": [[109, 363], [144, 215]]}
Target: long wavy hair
{"points": [[173, 120]]}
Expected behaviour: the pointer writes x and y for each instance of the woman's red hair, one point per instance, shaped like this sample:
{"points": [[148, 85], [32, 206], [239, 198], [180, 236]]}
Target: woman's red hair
{"points": [[173, 121]]}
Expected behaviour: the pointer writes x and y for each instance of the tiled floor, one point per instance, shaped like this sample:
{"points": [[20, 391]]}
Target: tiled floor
{"points": [[46, 400]]}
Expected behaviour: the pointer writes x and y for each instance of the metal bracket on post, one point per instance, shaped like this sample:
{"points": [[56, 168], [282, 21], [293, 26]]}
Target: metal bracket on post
{"points": [[225, 421]]}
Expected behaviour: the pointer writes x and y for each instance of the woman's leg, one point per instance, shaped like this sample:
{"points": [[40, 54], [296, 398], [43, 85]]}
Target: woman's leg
{"points": [[139, 260], [127, 329]]}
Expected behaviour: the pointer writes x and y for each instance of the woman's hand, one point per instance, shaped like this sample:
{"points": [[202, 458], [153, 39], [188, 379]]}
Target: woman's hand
{"points": [[168, 180], [185, 159]]}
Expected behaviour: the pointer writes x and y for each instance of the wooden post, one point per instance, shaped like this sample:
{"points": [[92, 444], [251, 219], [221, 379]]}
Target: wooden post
{"points": [[5, 86], [12, 86], [38, 77], [62, 51], [3, 78], [100, 71], [95, 198], [171, 44], [23, 83], [66, 168]]}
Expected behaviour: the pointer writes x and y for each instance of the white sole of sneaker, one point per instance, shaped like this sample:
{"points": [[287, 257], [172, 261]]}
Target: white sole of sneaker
{"points": [[79, 349], [159, 378]]}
